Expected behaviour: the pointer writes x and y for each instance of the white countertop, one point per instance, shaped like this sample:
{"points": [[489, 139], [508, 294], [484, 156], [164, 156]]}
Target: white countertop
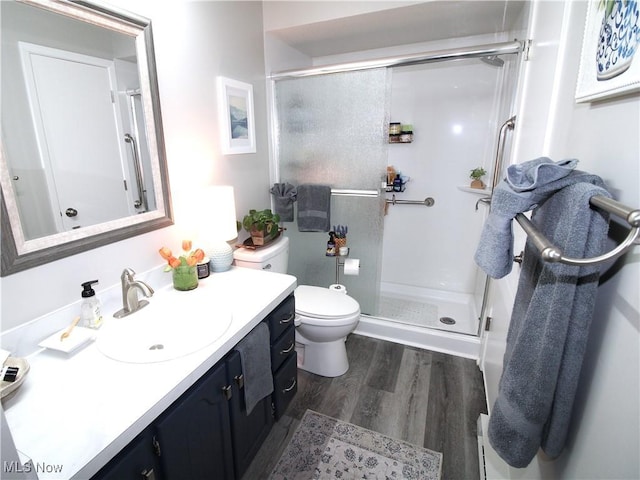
{"points": [[75, 412]]}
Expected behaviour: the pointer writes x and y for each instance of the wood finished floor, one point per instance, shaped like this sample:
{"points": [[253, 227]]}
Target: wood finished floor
{"points": [[423, 397]]}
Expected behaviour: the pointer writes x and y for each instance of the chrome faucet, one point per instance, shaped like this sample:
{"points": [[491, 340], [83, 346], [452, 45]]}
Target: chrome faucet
{"points": [[130, 287]]}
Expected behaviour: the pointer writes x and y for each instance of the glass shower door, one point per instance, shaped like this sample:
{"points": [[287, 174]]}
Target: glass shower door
{"points": [[331, 130]]}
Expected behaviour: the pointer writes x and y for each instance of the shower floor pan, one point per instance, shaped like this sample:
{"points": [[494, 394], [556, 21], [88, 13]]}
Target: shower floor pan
{"points": [[455, 313], [417, 321]]}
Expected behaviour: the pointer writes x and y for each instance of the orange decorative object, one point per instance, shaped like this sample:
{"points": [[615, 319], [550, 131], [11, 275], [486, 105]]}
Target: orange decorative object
{"points": [[199, 254], [188, 259]]}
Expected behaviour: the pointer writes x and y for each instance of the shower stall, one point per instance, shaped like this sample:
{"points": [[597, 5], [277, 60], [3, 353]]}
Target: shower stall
{"points": [[417, 275]]}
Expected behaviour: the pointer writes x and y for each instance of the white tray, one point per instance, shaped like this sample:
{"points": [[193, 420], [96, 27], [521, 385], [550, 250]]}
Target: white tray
{"points": [[79, 337], [6, 388]]}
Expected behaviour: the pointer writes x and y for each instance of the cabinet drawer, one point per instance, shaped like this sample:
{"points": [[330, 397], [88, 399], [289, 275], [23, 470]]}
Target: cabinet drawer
{"points": [[285, 385], [283, 348], [281, 317]]}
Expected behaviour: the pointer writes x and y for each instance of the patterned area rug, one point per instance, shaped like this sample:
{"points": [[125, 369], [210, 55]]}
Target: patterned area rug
{"points": [[325, 448]]}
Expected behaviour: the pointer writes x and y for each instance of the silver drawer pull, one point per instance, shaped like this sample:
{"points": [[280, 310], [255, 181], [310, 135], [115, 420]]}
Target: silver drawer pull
{"points": [[293, 385], [289, 349], [148, 474], [288, 319]]}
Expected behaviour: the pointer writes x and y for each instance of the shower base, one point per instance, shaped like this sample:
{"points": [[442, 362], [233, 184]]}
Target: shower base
{"points": [[415, 319], [430, 308], [459, 344]]}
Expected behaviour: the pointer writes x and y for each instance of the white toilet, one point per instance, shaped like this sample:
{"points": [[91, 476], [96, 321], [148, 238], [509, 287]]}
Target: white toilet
{"points": [[324, 317]]}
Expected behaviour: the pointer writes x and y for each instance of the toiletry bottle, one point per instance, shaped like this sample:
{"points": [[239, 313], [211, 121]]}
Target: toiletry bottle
{"points": [[90, 313], [331, 246], [397, 184]]}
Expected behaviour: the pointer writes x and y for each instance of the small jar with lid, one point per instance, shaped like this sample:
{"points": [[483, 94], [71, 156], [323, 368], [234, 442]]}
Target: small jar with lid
{"points": [[394, 132], [406, 133], [395, 128]]}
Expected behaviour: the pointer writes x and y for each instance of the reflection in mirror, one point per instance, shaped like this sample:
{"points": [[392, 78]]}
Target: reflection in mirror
{"points": [[82, 159]]}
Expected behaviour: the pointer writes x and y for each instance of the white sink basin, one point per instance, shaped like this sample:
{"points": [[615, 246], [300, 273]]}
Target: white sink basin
{"points": [[173, 325]]}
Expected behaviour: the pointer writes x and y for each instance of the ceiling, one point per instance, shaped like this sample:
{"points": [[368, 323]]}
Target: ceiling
{"points": [[422, 22]]}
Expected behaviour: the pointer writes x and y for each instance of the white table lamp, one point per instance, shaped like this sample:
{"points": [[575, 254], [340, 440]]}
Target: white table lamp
{"points": [[218, 226]]}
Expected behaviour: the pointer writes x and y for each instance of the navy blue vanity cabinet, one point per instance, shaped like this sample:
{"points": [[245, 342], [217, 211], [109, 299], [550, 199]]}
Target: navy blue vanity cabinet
{"points": [[194, 434], [206, 433], [283, 355], [248, 432], [136, 462]]}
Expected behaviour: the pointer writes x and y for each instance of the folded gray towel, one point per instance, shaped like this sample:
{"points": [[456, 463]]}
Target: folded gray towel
{"points": [[284, 194], [494, 253], [314, 208], [549, 329], [255, 354]]}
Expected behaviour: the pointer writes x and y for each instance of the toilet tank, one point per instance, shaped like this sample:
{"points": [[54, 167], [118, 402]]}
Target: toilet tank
{"points": [[273, 258]]}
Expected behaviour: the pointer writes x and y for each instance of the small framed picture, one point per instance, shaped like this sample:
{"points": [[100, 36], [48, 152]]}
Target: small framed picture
{"points": [[609, 63], [237, 127]]}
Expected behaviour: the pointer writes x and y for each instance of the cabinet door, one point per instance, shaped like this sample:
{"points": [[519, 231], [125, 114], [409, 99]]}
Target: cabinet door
{"points": [[195, 434], [248, 431], [285, 386], [137, 461]]}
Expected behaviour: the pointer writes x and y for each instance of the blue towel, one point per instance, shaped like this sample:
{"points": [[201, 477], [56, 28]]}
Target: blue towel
{"points": [[314, 208], [535, 181], [284, 194], [255, 354], [526, 176], [549, 329]]}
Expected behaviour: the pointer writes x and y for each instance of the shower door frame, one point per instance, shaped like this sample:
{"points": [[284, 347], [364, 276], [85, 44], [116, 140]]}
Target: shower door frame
{"points": [[514, 47]]}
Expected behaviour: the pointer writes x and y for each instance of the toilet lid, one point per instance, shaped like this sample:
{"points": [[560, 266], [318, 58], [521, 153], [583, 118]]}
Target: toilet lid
{"points": [[324, 303]]}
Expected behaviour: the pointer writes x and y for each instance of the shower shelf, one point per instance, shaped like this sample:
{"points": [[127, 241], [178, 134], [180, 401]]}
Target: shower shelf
{"points": [[477, 191]]}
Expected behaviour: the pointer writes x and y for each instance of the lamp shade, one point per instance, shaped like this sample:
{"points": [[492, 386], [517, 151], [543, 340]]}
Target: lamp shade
{"points": [[218, 225]]}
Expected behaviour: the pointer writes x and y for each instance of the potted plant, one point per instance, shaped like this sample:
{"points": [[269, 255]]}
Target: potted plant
{"points": [[476, 176], [262, 225]]}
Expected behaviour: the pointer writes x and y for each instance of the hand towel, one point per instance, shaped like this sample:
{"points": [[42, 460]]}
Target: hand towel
{"points": [[535, 181], [284, 194], [314, 208], [549, 328], [255, 354]]}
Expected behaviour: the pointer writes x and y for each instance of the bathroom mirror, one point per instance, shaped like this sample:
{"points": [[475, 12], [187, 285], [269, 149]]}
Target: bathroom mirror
{"points": [[82, 159]]}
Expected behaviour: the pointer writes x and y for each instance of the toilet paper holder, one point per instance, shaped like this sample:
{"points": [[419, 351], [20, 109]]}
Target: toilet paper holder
{"points": [[340, 262]]}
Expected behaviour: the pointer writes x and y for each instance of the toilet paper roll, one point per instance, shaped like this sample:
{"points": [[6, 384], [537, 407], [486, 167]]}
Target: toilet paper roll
{"points": [[352, 266], [338, 288]]}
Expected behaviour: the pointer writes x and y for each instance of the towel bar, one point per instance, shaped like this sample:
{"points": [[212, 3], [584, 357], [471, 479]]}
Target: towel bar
{"points": [[346, 192], [551, 253]]}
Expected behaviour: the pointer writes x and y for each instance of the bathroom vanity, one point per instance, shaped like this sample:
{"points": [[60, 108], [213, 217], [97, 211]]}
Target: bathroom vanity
{"points": [[89, 416]]}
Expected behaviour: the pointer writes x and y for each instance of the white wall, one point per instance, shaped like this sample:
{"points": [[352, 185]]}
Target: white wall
{"points": [[194, 43], [604, 440]]}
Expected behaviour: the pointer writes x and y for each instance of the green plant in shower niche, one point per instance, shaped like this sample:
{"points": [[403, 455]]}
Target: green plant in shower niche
{"points": [[477, 173], [476, 177]]}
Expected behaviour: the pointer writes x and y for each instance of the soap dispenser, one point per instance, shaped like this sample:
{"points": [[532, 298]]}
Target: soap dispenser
{"points": [[90, 312]]}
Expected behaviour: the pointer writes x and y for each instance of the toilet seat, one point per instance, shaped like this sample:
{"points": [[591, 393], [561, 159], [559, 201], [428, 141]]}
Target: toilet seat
{"points": [[328, 306]]}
